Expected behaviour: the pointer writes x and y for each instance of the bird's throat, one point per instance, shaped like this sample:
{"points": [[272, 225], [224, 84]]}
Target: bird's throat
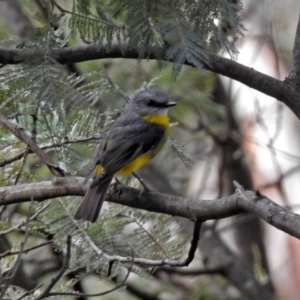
{"points": [[160, 120]]}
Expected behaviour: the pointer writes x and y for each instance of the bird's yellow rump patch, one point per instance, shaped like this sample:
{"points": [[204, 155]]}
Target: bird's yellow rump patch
{"points": [[131, 167], [136, 164], [98, 171]]}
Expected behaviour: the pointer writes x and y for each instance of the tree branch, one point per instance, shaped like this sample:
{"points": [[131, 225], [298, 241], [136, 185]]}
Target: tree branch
{"points": [[193, 209], [192, 272], [10, 252], [19, 225], [281, 90]]}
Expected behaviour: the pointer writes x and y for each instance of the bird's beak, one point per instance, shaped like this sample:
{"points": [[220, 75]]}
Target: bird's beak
{"points": [[169, 104]]}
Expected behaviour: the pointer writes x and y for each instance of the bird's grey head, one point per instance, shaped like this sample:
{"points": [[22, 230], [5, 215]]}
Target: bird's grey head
{"points": [[150, 102]]}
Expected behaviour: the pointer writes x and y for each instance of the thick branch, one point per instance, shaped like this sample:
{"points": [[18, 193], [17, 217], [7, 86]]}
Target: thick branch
{"points": [[192, 209], [220, 65]]}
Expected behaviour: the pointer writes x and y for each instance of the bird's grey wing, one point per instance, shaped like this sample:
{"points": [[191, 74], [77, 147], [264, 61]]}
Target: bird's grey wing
{"points": [[125, 145], [118, 155]]}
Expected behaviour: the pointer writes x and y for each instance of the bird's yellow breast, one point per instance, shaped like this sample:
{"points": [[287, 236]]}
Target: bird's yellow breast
{"points": [[160, 120]]}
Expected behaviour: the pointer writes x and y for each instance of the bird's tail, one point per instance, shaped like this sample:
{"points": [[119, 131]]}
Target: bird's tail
{"points": [[91, 205]]}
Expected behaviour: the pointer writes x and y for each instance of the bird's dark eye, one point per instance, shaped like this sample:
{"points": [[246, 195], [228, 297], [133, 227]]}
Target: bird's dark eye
{"points": [[151, 103]]}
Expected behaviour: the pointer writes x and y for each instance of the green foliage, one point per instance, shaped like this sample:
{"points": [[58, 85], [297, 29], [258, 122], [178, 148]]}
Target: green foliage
{"points": [[119, 231], [55, 109], [188, 29], [93, 28]]}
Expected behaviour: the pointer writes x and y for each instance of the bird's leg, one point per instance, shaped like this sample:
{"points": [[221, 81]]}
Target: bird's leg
{"points": [[113, 185], [145, 188], [117, 181]]}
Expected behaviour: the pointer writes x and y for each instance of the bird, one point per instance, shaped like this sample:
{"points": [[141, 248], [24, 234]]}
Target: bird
{"points": [[134, 139]]}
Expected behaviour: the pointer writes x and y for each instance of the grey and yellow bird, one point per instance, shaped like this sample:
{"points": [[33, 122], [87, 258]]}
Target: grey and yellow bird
{"points": [[134, 139]]}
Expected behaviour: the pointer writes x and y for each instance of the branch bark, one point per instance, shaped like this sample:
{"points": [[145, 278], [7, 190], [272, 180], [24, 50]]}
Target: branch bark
{"points": [[193, 209]]}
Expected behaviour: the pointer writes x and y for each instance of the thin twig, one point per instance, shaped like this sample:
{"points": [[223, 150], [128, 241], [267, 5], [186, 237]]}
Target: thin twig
{"points": [[9, 252], [27, 293], [18, 226], [21, 134], [64, 267], [54, 145], [33, 137], [11, 273], [21, 169], [194, 244], [103, 293]]}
